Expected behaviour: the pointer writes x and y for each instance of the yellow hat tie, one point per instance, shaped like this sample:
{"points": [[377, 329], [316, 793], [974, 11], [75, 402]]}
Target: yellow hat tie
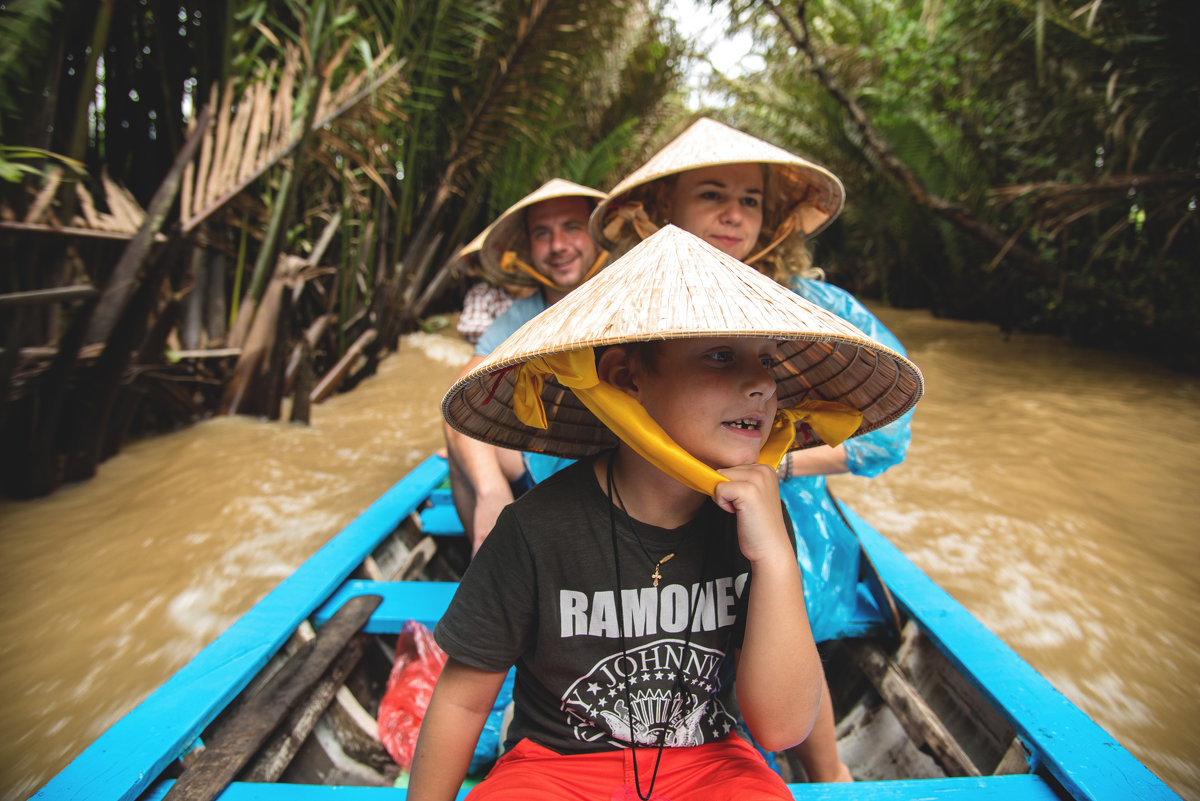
{"points": [[633, 213], [596, 265], [786, 228], [633, 425], [510, 262]]}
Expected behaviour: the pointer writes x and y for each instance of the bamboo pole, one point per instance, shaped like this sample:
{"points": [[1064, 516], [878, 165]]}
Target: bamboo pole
{"points": [[334, 378]]}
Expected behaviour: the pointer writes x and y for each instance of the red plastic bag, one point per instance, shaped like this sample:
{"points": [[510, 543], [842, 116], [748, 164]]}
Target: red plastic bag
{"points": [[419, 662]]}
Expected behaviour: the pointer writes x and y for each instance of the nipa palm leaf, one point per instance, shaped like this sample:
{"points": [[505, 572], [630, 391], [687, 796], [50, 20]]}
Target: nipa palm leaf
{"points": [[245, 142]]}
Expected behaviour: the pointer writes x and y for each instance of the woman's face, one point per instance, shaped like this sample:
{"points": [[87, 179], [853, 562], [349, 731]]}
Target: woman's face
{"points": [[723, 205]]}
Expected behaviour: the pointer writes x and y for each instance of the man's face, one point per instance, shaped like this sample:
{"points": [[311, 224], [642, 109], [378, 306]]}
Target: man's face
{"points": [[559, 244]]}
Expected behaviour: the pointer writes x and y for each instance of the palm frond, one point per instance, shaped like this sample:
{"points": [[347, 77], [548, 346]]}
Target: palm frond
{"points": [[249, 139]]}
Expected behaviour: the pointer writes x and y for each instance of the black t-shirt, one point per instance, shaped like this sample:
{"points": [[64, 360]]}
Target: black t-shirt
{"points": [[541, 594]]}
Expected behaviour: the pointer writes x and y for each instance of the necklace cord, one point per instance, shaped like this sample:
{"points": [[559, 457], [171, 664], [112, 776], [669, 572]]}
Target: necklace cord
{"points": [[677, 691]]}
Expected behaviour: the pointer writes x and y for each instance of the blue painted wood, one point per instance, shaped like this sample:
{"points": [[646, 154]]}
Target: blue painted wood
{"points": [[1018, 787], [1022, 787], [129, 755], [423, 601], [442, 521], [1088, 762], [257, 791]]}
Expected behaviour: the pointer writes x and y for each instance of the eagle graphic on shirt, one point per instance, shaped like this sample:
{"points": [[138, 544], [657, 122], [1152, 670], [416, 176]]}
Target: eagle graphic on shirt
{"points": [[666, 688]]}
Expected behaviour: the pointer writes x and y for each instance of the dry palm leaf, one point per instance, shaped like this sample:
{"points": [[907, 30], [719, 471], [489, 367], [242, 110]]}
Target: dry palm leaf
{"points": [[247, 141]]}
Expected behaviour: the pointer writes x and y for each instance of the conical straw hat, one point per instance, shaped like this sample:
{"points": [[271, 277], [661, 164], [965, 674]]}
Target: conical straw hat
{"points": [[673, 285], [708, 143], [467, 257], [509, 225], [475, 245]]}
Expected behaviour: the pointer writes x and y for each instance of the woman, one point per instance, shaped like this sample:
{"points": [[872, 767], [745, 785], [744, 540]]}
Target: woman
{"points": [[759, 203]]}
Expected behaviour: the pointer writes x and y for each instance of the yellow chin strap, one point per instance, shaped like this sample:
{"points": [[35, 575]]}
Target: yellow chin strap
{"points": [[789, 225], [510, 262], [634, 214], [633, 425]]}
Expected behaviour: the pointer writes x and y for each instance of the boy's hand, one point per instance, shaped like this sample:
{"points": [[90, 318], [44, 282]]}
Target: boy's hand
{"points": [[752, 493]]}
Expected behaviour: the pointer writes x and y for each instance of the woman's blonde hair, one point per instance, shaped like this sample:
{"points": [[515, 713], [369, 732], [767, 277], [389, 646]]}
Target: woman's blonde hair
{"points": [[787, 260]]}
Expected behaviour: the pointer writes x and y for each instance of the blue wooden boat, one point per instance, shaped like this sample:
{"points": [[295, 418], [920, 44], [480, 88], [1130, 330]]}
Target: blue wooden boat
{"points": [[942, 710]]}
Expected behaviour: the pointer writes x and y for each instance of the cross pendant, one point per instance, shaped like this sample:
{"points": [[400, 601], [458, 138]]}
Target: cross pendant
{"points": [[656, 575]]}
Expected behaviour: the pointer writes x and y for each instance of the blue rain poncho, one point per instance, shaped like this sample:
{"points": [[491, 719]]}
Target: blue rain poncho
{"points": [[828, 551]]}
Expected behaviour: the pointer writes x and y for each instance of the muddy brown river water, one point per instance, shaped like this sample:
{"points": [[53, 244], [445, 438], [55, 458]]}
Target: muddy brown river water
{"points": [[1055, 491]]}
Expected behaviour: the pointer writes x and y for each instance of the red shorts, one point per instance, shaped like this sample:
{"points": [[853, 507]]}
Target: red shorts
{"points": [[729, 768]]}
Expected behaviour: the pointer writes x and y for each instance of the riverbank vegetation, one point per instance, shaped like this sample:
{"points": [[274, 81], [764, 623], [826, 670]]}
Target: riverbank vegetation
{"points": [[211, 207]]}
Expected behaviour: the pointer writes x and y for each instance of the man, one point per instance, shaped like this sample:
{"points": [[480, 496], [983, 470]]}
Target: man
{"points": [[544, 236]]}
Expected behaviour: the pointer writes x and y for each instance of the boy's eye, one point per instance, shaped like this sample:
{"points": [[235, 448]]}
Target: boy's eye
{"points": [[769, 362], [721, 355]]}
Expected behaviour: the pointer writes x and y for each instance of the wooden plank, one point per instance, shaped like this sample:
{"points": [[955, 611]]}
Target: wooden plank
{"points": [[1026, 787], [1088, 761], [273, 758], [127, 757], [73, 230], [239, 738], [911, 710]]}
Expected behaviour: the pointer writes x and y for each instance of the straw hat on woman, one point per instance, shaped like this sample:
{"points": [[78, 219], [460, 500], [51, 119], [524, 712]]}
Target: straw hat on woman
{"points": [[798, 198], [760, 203]]}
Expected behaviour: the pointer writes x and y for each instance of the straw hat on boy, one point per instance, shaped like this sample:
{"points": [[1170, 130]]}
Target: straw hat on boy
{"points": [[538, 391], [810, 196], [504, 253]]}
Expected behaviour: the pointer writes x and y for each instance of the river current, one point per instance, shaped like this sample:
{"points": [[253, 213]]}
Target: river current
{"points": [[1053, 490]]}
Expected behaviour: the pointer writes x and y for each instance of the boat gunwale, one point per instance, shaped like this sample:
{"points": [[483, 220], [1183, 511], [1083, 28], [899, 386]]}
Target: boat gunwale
{"points": [[1062, 739], [123, 761]]}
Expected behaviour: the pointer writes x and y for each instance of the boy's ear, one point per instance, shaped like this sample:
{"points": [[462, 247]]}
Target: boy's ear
{"points": [[614, 368]]}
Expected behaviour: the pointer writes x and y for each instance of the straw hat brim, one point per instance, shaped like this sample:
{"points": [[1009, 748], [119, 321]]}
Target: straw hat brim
{"points": [[475, 245], [509, 224], [708, 143], [673, 286]]}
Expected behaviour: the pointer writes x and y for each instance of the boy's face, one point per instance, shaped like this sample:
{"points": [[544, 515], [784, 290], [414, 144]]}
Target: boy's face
{"points": [[723, 205], [716, 397], [559, 244]]}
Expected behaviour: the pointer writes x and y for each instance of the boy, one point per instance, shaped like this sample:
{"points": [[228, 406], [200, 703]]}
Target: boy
{"points": [[628, 587]]}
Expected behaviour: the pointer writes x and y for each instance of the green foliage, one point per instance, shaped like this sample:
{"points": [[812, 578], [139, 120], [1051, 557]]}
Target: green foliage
{"points": [[1073, 130], [24, 26], [14, 167]]}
